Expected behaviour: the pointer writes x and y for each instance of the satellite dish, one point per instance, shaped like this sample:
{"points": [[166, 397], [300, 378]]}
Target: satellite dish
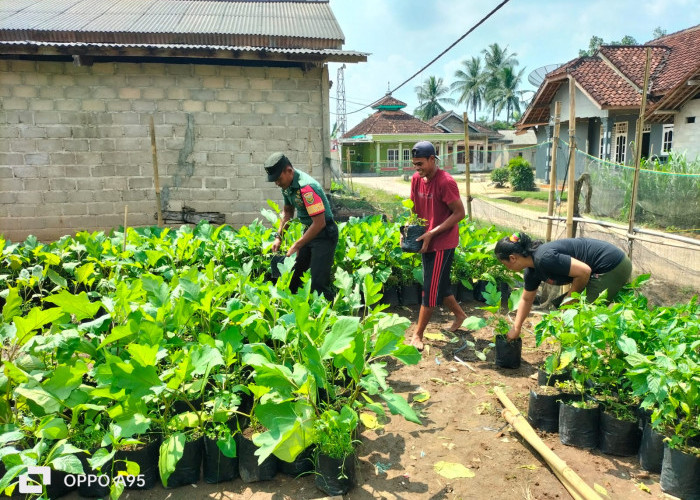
{"points": [[536, 77]]}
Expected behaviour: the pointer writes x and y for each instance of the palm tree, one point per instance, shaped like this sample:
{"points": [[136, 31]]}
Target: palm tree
{"points": [[469, 84], [430, 98], [505, 93], [496, 58]]}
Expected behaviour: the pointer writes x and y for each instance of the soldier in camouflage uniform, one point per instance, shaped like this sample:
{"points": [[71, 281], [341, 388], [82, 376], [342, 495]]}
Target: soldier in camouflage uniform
{"points": [[316, 248]]}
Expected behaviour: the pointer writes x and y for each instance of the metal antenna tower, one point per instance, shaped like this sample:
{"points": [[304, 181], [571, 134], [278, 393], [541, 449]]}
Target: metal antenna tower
{"points": [[340, 103]]}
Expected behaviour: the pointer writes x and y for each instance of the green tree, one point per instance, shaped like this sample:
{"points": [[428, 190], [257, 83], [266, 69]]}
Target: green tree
{"points": [[504, 94], [496, 58], [658, 32], [431, 96], [470, 84], [596, 41]]}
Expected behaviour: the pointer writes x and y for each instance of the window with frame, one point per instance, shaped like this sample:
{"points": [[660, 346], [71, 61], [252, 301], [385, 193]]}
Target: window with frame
{"points": [[392, 157], [620, 142], [460, 156], [489, 155], [667, 142], [601, 145]]}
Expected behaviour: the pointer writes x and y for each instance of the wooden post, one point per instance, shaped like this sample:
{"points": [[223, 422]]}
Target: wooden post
{"points": [[126, 214], [572, 160], [347, 155], [467, 166], [638, 151], [155, 175], [553, 169]]}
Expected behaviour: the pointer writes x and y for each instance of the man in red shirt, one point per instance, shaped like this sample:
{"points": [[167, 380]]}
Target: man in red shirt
{"points": [[436, 199]]}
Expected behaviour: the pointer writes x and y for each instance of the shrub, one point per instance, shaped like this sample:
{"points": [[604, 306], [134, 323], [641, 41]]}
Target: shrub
{"points": [[521, 176], [499, 176]]}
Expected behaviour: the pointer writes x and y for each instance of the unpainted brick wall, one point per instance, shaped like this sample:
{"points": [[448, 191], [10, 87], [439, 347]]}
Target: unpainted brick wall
{"points": [[75, 142]]}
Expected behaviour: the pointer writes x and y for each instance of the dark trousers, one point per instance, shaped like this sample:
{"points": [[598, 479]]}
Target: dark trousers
{"points": [[317, 255]]}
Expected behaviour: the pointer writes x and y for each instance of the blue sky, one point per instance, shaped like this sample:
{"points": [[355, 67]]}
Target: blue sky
{"points": [[403, 35]]}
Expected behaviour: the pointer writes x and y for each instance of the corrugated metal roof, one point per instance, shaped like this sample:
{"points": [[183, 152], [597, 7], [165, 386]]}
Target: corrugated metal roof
{"points": [[308, 19], [327, 54]]}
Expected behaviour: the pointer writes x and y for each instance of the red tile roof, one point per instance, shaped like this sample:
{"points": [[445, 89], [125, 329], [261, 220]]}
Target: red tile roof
{"points": [[631, 60], [391, 122], [604, 86], [675, 58]]}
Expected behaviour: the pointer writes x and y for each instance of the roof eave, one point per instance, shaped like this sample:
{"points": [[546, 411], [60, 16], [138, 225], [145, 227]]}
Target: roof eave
{"points": [[316, 56]]}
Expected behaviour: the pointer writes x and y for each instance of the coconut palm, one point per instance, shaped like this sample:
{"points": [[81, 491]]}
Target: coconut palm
{"points": [[496, 58], [470, 84], [431, 97], [505, 94]]}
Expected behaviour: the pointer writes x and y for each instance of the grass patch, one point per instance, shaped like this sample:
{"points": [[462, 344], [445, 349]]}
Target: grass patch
{"points": [[542, 195]]}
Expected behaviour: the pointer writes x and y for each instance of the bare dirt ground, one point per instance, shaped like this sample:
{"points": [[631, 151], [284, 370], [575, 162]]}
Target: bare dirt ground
{"points": [[461, 424]]}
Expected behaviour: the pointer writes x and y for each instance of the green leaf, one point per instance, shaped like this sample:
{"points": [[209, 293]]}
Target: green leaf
{"points": [[627, 345], [68, 463], [41, 398], [65, 379], [118, 333], [566, 357], [473, 323], [36, 318], [77, 305], [100, 458], [52, 428], [340, 336], [171, 451], [227, 446], [398, 406], [407, 354], [144, 355], [13, 305], [290, 429]]}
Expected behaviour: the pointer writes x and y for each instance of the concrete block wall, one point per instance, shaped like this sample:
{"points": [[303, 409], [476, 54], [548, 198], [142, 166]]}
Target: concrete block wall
{"points": [[75, 143]]}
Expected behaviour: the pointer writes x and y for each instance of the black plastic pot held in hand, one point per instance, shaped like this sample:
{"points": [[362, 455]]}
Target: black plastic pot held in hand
{"points": [[508, 352], [408, 241]]}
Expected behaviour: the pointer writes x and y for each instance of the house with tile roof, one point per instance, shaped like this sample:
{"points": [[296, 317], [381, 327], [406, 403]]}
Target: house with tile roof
{"points": [[608, 101], [226, 82], [382, 142]]}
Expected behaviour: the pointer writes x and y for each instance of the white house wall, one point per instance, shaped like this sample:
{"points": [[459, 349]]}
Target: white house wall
{"points": [[686, 136]]}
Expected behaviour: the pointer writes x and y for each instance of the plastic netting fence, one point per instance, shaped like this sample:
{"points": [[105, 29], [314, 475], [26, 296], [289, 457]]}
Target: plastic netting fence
{"points": [[668, 196]]}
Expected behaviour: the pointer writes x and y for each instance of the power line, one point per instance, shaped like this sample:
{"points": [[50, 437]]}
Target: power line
{"points": [[481, 21]]}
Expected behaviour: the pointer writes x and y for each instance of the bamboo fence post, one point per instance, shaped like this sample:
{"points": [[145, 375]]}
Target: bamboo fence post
{"points": [[578, 489], [126, 212], [155, 174], [638, 152], [553, 169], [572, 160], [466, 164], [347, 155]]}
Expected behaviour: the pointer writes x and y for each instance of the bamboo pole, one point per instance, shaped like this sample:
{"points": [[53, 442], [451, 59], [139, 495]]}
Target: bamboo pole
{"points": [[572, 160], [126, 215], [553, 169], [155, 174], [467, 174], [638, 150], [347, 155], [571, 481]]}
